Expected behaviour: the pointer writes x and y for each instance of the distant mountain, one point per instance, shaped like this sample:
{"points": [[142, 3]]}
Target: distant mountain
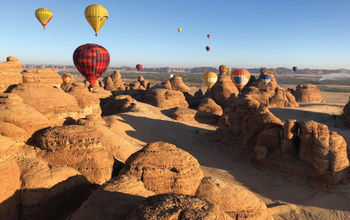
{"points": [[279, 70]]}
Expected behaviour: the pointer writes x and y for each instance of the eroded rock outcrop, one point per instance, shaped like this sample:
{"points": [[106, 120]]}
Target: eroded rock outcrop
{"points": [[209, 105], [164, 168], [47, 76], [19, 120], [345, 117], [236, 201], [79, 147], [10, 73], [223, 88], [114, 200], [175, 206], [165, 98], [307, 94], [271, 94]]}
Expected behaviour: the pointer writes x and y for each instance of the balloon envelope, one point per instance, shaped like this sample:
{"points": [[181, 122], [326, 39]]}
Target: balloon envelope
{"points": [[207, 48], [44, 15], [266, 79], [295, 68], [208, 36], [139, 67], [91, 60], [97, 16], [67, 78], [179, 30], [210, 79], [240, 78]]}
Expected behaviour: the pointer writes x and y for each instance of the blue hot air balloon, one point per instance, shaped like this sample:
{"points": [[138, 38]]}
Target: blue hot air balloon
{"points": [[266, 79], [295, 68]]}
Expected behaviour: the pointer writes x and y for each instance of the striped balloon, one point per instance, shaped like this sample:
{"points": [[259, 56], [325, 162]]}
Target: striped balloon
{"points": [[265, 78], [91, 60], [210, 79], [240, 78]]}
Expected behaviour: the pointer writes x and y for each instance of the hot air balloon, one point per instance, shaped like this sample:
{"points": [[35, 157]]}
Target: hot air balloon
{"points": [[139, 67], [210, 79], [240, 78], [179, 30], [67, 78], [97, 16], [295, 68], [208, 36], [207, 48], [92, 61], [266, 79], [44, 15], [171, 76]]}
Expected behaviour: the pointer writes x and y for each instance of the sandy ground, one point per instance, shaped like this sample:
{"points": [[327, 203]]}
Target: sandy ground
{"points": [[286, 198]]}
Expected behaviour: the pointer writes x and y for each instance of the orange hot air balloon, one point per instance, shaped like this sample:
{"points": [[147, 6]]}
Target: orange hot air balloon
{"points": [[240, 78], [207, 48], [208, 36], [67, 78]]}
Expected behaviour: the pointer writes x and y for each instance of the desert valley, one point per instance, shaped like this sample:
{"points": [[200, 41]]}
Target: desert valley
{"points": [[131, 149]]}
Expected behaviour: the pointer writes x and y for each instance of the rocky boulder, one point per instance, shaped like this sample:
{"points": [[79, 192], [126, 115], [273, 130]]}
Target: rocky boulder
{"points": [[114, 200], [164, 168], [178, 84], [175, 206], [182, 114], [209, 105], [19, 120], [164, 98], [236, 201], [307, 94], [47, 76], [79, 147], [246, 118], [223, 88], [119, 104], [10, 73], [271, 94], [345, 117]]}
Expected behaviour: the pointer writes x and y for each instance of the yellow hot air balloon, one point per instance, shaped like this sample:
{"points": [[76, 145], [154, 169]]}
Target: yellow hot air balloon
{"points": [[179, 30], [44, 15], [97, 16], [210, 79]]}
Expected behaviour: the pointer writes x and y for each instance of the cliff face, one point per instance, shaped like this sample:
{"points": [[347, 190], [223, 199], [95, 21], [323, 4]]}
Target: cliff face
{"points": [[10, 73]]}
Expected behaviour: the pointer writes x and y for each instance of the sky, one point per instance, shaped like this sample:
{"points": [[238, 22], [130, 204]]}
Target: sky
{"points": [[244, 33]]}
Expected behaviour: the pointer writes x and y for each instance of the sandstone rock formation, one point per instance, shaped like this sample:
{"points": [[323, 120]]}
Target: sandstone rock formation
{"points": [[88, 102], [79, 147], [119, 104], [19, 120], [164, 168], [246, 118], [325, 150], [114, 200], [345, 117], [271, 94], [10, 73], [165, 98], [178, 84], [307, 94], [209, 105], [175, 206], [223, 88], [182, 114], [114, 82], [47, 76], [236, 201]]}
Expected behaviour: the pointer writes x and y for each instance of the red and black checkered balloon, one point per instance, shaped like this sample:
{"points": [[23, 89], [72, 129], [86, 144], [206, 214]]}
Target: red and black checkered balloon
{"points": [[91, 60]]}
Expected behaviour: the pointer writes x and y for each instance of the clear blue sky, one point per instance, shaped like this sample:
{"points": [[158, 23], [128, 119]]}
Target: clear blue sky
{"points": [[245, 33]]}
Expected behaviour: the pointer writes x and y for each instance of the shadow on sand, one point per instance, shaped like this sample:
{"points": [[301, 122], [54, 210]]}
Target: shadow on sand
{"points": [[269, 183]]}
